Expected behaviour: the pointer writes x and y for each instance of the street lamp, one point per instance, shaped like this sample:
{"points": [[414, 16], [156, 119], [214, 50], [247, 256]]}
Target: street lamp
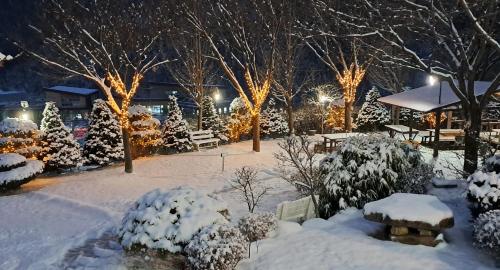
{"points": [[217, 96], [432, 80]]}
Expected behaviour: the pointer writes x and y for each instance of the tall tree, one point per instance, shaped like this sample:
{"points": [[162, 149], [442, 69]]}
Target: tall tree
{"points": [[461, 40], [112, 43], [246, 32]]}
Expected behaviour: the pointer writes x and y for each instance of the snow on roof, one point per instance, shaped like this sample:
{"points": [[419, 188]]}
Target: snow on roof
{"points": [[5, 57], [73, 90], [426, 98]]}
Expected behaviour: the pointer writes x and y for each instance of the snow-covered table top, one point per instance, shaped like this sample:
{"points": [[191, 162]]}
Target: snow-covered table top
{"points": [[410, 210], [337, 136]]}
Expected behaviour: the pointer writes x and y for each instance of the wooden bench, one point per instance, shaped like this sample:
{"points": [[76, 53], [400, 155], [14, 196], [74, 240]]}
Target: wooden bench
{"points": [[203, 137], [296, 211]]}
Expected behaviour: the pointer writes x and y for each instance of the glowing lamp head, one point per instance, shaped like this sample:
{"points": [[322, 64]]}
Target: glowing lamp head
{"points": [[217, 96], [323, 99], [431, 80], [25, 116]]}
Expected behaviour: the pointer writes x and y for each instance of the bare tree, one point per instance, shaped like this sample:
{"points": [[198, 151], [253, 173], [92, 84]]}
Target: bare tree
{"points": [[193, 69], [245, 180], [462, 46], [246, 31], [110, 43], [299, 165]]}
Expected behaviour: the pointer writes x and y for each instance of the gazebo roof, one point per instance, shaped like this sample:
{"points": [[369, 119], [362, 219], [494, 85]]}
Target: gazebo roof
{"points": [[426, 98]]}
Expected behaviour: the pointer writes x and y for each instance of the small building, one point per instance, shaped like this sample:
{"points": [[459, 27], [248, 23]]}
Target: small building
{"points": [[73, 102]]}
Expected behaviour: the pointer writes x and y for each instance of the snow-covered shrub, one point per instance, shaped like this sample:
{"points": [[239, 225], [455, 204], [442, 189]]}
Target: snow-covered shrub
{"points": [[272, 122], [364, 169], [20, 136], [218, 247], [145, 137], [257, 226], [487, 231], [484, 190], [104, 139], [416, 179], [373, 114], [59, 149], [239, 123], [16, 170], [176, 130], [168, 220]]}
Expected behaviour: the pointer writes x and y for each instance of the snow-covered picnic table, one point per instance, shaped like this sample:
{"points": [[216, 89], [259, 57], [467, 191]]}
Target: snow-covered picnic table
{"points": [[405, 212], [333, 139], [401, 129]]}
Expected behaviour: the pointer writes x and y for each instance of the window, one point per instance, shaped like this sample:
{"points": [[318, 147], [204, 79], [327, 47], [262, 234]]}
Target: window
{"points": [[155, 109]]}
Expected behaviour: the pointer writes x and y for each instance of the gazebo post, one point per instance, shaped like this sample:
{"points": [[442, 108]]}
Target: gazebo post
{"points": [[437, 129], [449, 116]]}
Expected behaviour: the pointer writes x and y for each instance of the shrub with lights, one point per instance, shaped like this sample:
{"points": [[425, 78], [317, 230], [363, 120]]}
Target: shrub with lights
{"points": [[59, 149], [239, 123], [145, 136], [20, 136]]}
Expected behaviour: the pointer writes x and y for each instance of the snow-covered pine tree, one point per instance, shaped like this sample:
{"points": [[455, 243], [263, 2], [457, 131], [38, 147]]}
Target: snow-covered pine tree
{"points": [[276, 124], [145, 137], [211, 119], [175, 129], [59, 149], [104, 138], [239, 123], [373, 114]]}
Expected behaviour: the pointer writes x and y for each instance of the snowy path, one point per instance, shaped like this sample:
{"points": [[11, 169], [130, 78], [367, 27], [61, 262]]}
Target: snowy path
{"points": [[39, 227]]}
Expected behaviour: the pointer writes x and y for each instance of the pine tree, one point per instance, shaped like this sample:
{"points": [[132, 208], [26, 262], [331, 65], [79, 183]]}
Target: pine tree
{"points": [[104, 139], [373, 114], [239, 123], [211, 119], [175, 129], [145, 137], [272, 121], [59, 149]]}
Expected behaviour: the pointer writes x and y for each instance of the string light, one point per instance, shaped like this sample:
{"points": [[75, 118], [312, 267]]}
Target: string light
{"points": [[336, 117], [430, 118]]}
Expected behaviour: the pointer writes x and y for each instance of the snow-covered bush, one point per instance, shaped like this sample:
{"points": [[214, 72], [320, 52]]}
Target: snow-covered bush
{"points": [[176, 130], [272, 122], [16, 170], [487, 231], [239, 123], [20, 136], [364, 169], [373, 114], [145, 137], [484, 188], [218, 247], [416, 179], [168, 220], [59, 149], [257, 226], [104, 139]]}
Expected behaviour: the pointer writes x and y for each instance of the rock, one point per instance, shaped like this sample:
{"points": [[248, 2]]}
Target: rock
{"points": [[395, 230], [443, 183]]}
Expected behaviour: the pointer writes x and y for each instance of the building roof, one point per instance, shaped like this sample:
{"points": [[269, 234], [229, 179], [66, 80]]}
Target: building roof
{"points": [[426, 98], [72, 90]]}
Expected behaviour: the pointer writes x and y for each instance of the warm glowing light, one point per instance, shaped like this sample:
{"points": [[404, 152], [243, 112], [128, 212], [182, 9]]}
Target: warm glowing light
{"points": [[431, 80], [25, 116], [217, 96], [324, 99]]}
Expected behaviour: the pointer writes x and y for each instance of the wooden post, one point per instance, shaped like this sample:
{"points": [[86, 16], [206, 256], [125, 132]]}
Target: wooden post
{"points": [[449, 116], [437, 129]]}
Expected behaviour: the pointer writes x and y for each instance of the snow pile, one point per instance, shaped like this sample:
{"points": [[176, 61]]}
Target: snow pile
{"points": [[60, 150], [218, 247], [104, 139], [487, 231], [366, 168], [257, 226], [410, 207], [10, 161], [373, 114], [484, 190], [492, 164], [167, 220], [176, 130], [15, 170]]}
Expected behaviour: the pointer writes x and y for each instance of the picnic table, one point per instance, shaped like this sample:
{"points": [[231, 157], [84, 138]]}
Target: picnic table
{"points": [[401, 129], [335, 138]]}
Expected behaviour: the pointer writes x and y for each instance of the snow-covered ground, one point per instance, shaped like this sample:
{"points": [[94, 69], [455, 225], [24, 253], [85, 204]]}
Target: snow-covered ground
{"points": [[52, 225]]}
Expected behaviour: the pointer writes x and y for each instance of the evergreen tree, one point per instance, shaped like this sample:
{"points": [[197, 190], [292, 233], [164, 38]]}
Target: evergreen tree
{"points": [[104, 139], [272, 121], [59, 149], [145, 137], [175, 129], [239, 123], [373, 114]]}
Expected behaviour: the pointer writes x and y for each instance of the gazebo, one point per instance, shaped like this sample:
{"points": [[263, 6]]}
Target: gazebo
{"points": [[434, 97]]}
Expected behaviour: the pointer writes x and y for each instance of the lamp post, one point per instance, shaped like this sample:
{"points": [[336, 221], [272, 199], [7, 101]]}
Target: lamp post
{"points": [[323, 100], [437, 129]]}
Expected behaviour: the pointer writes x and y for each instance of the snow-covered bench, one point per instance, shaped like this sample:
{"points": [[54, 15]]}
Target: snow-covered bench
{"points": [[203, 137], [298, 211]]}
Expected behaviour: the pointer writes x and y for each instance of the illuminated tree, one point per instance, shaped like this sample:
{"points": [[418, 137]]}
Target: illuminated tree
{"points": [[20, 136], [240, 122], [250, 44], [145, 136], [112, 43], [336, 117]]}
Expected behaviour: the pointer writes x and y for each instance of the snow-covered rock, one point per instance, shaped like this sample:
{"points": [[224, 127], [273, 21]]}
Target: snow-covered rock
{"points": [[168, 220], [422, 211], [15, 170], [218, 247]]}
